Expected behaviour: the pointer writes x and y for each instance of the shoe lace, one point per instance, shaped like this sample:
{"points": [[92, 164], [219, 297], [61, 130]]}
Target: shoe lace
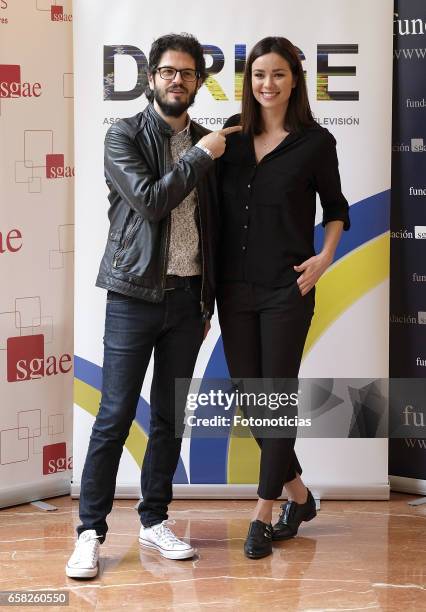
{"points": [[86, 550], [287, 511], [165, 534]]}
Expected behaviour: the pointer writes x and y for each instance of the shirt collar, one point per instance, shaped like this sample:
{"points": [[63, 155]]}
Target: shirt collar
{"points": [[185, 130]]}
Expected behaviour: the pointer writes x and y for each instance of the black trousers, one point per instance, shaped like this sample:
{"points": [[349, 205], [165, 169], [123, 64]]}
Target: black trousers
{"points": [[264, 331]]}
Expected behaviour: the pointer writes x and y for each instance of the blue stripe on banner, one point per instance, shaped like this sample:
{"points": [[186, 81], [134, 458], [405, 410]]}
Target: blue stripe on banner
{"points": [[369, 219], [209, 456], [88, 372]]}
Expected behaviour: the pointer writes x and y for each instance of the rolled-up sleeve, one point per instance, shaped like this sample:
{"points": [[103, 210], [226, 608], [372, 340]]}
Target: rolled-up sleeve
{"points": [[327, 183]]}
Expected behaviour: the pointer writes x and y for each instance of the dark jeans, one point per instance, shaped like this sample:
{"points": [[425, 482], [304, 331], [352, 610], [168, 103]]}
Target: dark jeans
{"points": [[133, 329], [264, 332]]}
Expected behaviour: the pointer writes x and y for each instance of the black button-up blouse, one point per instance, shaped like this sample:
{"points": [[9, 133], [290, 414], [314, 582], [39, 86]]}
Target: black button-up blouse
{"points": [[268, 209]]}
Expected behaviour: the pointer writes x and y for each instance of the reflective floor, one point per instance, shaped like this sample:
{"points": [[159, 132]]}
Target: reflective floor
{"points": [[353, 556]]}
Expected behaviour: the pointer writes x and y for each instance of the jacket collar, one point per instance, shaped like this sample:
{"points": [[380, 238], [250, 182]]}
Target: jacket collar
{"points": [[157, 120]]}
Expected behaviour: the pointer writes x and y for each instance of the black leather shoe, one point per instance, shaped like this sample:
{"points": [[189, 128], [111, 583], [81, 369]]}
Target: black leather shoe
{"points": [[259, 540], [292, 514]]}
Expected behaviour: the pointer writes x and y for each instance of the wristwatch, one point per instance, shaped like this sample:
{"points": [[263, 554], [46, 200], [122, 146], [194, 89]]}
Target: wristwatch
{"points": [[205, 149]]}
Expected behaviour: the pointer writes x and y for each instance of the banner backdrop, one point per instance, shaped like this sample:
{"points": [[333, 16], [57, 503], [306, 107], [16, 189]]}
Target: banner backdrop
{"points": [[346, 50], [36, 250], [407, 457]]}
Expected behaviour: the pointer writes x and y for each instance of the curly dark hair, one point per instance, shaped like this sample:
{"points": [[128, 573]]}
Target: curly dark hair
{"points": [[186, 43]]}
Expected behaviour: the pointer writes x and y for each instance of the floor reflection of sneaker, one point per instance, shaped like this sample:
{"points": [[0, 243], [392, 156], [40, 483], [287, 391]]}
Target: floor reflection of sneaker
{"points": [[161, 538], [83, 563]]}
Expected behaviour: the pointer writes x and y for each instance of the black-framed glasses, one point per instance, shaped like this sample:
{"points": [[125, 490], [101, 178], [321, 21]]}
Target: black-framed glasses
{"points": [[168, 73]]}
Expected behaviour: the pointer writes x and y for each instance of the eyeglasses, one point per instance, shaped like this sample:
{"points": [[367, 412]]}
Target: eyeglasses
{"points": [[168, 73]]}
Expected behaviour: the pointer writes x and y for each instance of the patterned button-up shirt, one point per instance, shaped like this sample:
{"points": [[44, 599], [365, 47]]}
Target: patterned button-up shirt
{"points": [[184, 249]]}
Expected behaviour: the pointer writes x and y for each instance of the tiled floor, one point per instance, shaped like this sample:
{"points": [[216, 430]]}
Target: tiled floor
{"points": [[355, 555]]}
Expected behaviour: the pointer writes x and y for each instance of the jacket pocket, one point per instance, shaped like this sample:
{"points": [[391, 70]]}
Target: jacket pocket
{"points": [[127, 240]]}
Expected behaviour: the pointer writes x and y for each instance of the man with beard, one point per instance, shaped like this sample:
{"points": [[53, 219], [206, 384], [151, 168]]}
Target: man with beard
{"points": [[158, 268]]}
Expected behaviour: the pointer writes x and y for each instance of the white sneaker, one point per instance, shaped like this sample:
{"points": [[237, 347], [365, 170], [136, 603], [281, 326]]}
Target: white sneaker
{"points": [[83, 563], [164, 540]]}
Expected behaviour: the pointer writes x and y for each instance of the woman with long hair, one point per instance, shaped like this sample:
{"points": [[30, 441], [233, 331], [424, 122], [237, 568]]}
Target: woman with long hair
{"points": [[269, 177]]}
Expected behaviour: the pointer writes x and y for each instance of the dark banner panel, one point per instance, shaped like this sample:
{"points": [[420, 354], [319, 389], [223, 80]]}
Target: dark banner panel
{"points": [[407, 457]]}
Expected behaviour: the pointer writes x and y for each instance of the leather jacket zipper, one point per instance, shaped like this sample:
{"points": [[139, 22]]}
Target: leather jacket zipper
{"points": [[126, 242], [166, 250]]}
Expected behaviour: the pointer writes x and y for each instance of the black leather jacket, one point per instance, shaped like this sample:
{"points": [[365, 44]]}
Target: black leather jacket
{"points": [[144, 187]]}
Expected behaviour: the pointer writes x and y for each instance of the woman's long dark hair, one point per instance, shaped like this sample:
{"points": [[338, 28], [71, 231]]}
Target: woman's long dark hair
{"points": [[299, 112]]}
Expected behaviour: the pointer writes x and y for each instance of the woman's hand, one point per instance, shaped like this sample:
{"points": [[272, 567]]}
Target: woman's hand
{"points": [[312, 269]]}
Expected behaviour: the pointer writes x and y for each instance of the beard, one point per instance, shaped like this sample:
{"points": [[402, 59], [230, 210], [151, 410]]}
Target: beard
{"points": [[172, 109]]}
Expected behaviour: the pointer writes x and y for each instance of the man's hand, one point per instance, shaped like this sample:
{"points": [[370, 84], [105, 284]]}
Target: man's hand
{"points": [[206, 328], [312, 269], [215, 142]]}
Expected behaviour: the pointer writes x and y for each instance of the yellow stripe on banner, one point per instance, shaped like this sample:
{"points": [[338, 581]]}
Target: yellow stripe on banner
{"points": [[88, 398], [243, 456], [347, 281]]}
